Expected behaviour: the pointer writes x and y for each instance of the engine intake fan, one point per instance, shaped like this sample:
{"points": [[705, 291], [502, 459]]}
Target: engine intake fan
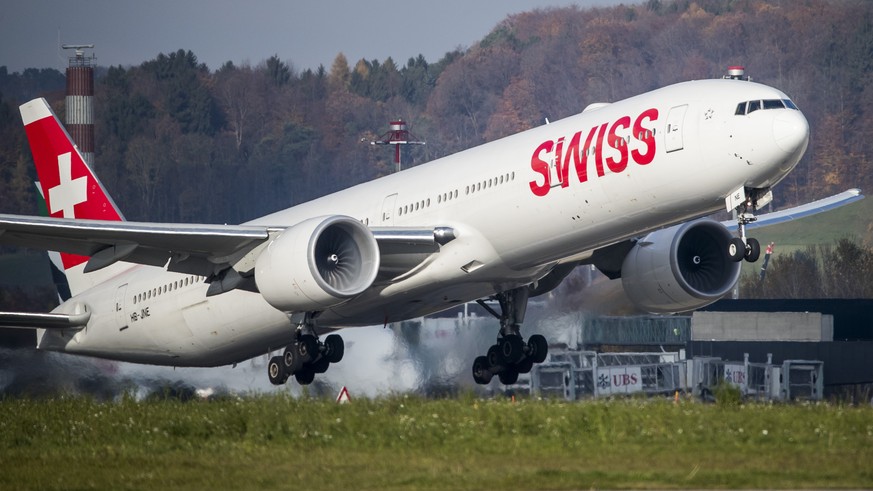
{"points": [[680, 268], [317, 264]]}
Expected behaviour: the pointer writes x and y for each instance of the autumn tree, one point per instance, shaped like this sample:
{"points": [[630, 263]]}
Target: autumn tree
{"points": [[340, 74], [244, 96]]}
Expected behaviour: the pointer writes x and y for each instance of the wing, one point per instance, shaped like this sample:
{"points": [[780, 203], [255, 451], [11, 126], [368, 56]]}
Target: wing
{"points": [[808, 209], [192, 248]]}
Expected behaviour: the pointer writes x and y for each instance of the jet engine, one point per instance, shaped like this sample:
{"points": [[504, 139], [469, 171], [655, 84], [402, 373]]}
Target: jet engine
{"points": [[680, 268], [317, 264]]}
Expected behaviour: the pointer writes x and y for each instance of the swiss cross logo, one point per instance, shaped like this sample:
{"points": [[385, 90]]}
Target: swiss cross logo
{"points": [[70, 192]]}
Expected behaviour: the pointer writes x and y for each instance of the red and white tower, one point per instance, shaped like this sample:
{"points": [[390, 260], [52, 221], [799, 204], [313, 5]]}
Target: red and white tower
{"points": [[397, 135], [80, 100]]}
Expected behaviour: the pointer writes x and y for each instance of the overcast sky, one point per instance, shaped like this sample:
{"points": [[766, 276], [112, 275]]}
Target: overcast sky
{"points": [[306, 33]]}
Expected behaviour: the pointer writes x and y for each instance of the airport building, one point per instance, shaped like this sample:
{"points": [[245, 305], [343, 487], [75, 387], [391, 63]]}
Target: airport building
{"points": [[770, 349]]}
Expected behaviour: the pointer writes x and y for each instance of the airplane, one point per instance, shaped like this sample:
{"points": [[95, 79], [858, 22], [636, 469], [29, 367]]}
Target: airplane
{"points": [[622, 186]]}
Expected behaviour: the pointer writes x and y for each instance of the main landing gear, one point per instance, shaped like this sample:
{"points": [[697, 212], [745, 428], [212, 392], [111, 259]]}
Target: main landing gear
{"points": [[511, 355], [306, 356], [743, 247]]}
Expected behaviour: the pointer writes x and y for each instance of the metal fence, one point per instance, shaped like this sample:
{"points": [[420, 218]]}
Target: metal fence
{"points": [[573, 374], [792, 380]]}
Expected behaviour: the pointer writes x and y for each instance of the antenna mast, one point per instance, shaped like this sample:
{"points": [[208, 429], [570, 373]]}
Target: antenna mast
{"points": [[397, 135]]}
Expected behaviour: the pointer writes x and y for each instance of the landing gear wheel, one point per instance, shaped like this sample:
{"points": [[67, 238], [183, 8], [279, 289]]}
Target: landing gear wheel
{"points": [[305, 376], [511, 349], [539, 348], [508, 376], [290, 360], [276, 371], [307, 347], [321, 365], [753, 250], [493, 356], [481, 372], [525, 366], [736, 249], [335, 348], [511, 355]]}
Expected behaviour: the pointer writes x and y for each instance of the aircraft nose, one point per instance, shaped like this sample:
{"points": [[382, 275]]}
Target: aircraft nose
{"points": [[791, 131]]}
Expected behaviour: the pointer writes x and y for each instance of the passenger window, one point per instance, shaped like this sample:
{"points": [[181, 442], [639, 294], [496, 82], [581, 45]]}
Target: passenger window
{"points": [[754, 106]]}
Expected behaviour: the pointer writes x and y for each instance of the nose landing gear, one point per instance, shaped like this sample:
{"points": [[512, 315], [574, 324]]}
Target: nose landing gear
{"points": [[743, 247], [511, 355]]}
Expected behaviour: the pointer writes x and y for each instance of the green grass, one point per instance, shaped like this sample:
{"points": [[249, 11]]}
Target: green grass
{"points": [[848, 221], [408, 443]]}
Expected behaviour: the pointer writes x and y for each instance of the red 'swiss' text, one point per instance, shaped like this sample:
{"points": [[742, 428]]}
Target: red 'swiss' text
{"points": [[575, 153]]}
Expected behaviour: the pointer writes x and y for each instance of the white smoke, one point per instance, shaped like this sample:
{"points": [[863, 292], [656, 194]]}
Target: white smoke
{"points": [[431, 356]]}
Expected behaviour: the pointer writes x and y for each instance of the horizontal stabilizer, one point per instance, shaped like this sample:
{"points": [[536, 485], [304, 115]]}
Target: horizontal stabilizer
{"points": [[27, 320]]}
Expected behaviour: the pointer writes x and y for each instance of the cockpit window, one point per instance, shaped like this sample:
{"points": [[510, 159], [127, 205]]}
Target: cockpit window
{"points": [[754, 106], [751, 106]]}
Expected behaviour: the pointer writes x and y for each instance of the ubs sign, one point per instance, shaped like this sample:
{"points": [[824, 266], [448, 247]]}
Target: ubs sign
{"points": [[623, 380]]}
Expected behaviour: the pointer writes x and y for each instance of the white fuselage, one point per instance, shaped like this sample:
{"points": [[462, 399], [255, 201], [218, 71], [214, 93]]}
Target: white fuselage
{"points": [[666, 156]]}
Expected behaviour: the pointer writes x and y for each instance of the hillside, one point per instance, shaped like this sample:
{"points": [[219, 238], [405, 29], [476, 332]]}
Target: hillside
{"points": [[177, 142], [172, 135]]}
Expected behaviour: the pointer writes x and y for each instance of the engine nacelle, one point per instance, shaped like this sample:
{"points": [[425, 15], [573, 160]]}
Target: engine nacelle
{"points": [[317, 264], [680, 268]]}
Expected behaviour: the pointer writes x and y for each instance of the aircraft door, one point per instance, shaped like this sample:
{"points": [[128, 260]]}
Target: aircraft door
{"points": [[120, 310], [388, 209], [675, 128]]}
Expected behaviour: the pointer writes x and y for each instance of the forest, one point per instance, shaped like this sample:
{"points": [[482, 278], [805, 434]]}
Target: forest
{"points": [[178, 142]]}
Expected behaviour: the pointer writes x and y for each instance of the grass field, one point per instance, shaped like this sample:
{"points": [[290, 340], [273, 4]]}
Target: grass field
{"points": [[408, 443], [848, 221], [851, 221]]}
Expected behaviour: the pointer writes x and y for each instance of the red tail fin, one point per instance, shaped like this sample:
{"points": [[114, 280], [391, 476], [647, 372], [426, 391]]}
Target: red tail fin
{"points": [[69, 186]]}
